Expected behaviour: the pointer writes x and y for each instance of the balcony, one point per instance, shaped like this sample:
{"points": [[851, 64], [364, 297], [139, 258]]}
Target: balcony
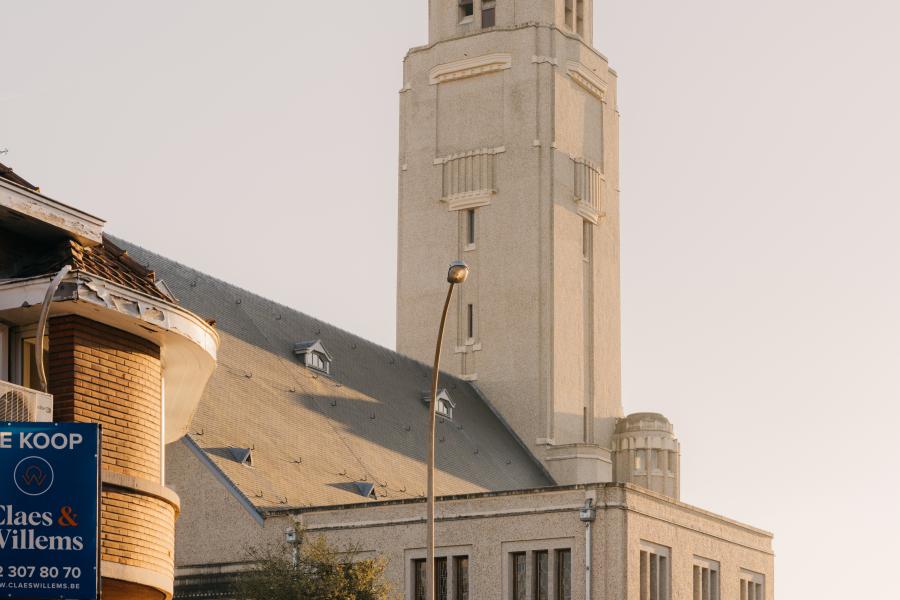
{"points": [[19, 403]]}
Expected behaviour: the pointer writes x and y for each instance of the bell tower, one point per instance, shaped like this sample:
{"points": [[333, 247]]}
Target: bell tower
{"points": [[509, 161]]}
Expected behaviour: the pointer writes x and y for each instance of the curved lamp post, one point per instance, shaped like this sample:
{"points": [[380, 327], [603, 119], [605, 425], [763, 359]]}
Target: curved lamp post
{"points": [[456, 274]]}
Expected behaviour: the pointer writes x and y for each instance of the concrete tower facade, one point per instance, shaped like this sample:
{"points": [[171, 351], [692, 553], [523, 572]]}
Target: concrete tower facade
{"points": [[509, 161]]}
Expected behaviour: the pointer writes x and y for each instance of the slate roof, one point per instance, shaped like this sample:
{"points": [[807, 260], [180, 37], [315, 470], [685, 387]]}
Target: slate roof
{"points": [[314, 437]]}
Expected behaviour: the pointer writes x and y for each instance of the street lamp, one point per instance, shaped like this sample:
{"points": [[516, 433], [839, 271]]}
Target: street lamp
{"points": [[457, 273]]}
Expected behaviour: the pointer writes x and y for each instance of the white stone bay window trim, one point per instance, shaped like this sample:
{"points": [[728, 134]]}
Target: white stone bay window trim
{"points": [[468, 179]]}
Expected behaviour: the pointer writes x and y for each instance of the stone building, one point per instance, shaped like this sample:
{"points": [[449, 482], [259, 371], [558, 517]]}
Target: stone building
{"points": [[89, 335], [509, 161]]}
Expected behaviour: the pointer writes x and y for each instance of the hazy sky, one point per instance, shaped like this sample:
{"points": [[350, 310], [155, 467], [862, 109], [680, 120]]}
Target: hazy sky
{"points": [[257, 141]]}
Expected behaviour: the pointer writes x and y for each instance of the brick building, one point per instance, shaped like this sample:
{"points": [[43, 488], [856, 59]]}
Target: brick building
{"points": [[83, 322]]}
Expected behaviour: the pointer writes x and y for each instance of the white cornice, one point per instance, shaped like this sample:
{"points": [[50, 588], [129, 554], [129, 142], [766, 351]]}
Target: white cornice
{"points": [[588, 212], [445, 159], [85, 228], [469, 67], [468, 200], [587, 79]]}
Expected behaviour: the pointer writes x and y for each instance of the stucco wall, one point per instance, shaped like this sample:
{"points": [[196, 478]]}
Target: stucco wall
{"points": [[487, 528], [544, 100]]}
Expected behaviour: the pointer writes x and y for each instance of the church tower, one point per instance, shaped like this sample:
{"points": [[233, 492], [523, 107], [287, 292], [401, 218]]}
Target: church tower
{"points": [[509, 161]]}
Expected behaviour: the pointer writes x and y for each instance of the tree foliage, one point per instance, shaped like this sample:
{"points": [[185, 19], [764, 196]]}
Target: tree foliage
{"points": [[311, 570]]}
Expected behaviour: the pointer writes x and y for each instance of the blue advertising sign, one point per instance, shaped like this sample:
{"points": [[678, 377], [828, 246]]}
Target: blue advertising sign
{"points": [[49, 510]]}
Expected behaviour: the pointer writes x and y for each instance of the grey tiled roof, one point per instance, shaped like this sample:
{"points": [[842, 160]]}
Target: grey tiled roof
{"points": [[314, 436]]}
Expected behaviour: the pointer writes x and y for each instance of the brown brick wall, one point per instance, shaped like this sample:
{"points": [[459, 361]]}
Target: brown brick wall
{"points": [[103, 375], [137, 530], [100, 374]]}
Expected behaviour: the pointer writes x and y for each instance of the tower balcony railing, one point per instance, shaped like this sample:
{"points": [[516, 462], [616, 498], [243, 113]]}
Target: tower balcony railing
{"points": [[21, 404]]}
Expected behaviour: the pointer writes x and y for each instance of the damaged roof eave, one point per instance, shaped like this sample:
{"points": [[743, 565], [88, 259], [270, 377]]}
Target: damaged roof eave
{"points": [[55, 216], [188, 344]]}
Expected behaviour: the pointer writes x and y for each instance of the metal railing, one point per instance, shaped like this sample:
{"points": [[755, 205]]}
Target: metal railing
{"points": [[19, 403]]}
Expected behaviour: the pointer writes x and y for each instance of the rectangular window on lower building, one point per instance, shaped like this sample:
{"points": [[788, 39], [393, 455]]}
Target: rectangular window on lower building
{"points": [[441, 583], [541, 575], [420, 579], [470, 321], [753, 585], [519, 590], [564, 574], [706, 579], [470, 227], [461, 564], [655, 571]]}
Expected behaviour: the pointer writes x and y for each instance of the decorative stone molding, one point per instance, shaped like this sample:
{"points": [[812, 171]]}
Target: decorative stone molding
{"points": [[450, 157], [468, 178], [469, 67], [589, 186], [468, 200], [545, 59], [587, 79]]}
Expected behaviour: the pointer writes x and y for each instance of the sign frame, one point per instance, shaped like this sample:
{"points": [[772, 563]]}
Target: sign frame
{"points": [[92, 434]]}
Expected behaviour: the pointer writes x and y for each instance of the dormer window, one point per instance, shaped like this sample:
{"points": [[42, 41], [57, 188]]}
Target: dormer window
{"points": [[445, 405], [466, 11], [314, 356]]}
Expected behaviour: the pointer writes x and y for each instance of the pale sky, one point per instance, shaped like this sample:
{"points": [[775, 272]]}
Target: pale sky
{"points": [[257, 141]]}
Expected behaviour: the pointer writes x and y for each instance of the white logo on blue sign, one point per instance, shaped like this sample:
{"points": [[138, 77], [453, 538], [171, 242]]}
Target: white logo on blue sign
{"points": [[33, 476]]}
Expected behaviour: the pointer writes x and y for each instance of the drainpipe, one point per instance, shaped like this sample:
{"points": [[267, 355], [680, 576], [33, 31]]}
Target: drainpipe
{"points": [[587, 514], [42, 326]]}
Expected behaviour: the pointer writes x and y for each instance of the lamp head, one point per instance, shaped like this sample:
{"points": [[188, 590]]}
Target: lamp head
{"points": [[458, 272]]}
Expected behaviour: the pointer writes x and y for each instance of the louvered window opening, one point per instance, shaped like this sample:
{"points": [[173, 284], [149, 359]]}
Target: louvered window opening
{"points": [[752, 588], [469, 173], [706, 583], [654, 576], [588, 184]]}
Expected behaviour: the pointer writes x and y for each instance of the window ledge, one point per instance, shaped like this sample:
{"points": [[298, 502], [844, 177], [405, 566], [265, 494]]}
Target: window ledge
{"points": [[468, 200]]}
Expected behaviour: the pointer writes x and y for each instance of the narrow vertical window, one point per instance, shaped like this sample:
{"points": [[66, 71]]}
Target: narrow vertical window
{"points": [[541, 575], [579, 27], [470, 227], [466, 10], [645, 575], [587, 239], [441, 584], [655, 572], [488, 13], [564, 574], [519, 590], [419, 579], [462, 577], [570, 21], [752, 585], [706, 579], [470, 321]]}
